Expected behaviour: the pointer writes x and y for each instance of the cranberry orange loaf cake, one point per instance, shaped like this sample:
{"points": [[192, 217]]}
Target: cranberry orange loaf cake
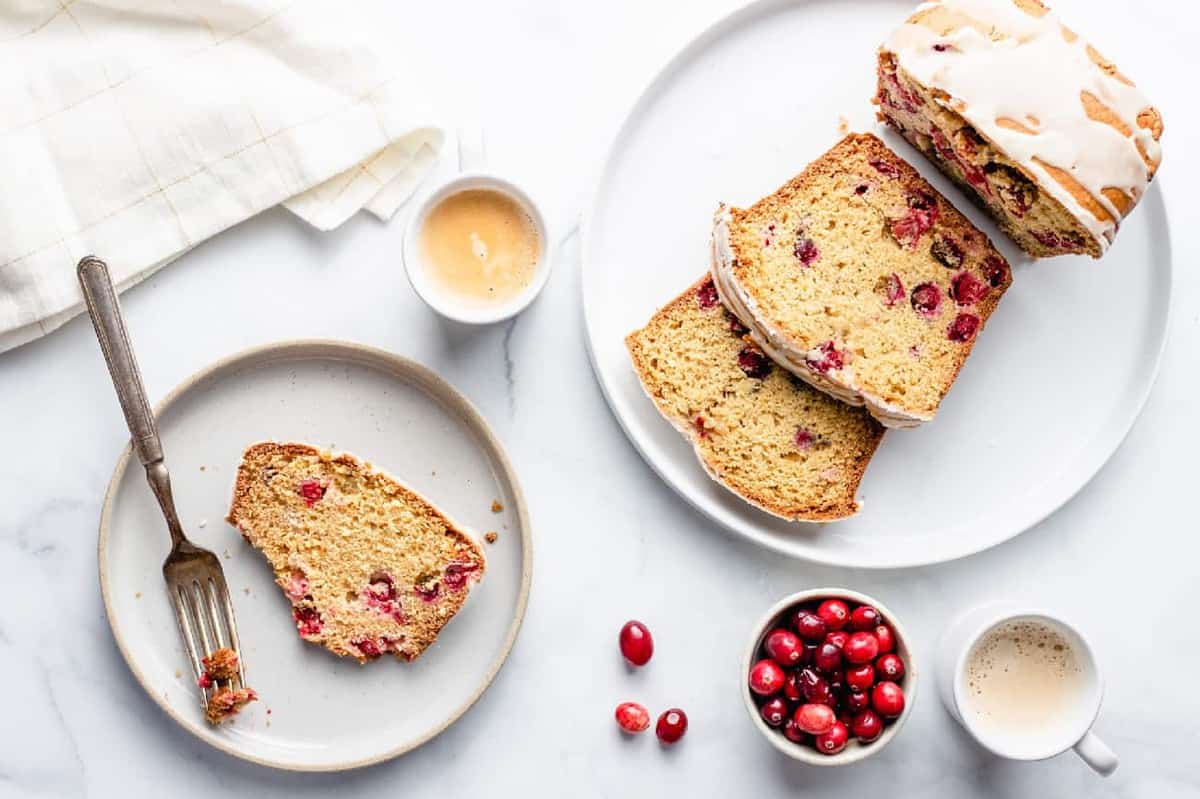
{"points": [[370, 566], [1029, 118], [766, 436], [858, 277]]}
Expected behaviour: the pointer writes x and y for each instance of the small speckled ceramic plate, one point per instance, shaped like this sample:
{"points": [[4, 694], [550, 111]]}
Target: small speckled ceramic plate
{"points": [[388, 410]]}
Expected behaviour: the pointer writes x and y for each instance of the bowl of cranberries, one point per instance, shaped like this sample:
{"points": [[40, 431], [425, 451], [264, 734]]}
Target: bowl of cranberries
{"points": [[829, 678]]}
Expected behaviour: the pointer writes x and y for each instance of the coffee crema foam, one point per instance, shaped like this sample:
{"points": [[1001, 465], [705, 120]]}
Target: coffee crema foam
{"points": [[1023, 679]]}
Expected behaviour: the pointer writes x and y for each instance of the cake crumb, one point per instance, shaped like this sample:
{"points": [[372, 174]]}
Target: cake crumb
{"points": [[202, 468], [843, 126], [226, 553], [222, 664], [225, 704], [137, 595], [202, 524], [490, 536], [178, 674], [496, 506], [246, 591]]}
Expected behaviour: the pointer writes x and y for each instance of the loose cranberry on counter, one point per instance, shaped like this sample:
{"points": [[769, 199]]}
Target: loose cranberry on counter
{"points": [[632, 717], [835, 613], [784, 647], [672, 724], [773, 711], [867, 726], [864, 618], [766, 677], [838, 638], [861, 648], [833, 741], [860, 677], [636, 643], [890, 666], [886, 638], [815, 719], [887, 699], [857, 700], [827, 658], [809, 626]]}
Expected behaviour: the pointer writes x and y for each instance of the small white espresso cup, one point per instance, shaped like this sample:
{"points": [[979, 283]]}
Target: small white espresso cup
{"points": [[1071, 731], [444, 302]]}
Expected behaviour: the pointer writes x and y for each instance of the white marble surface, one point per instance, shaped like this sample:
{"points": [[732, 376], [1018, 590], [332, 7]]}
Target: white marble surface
{"points": [[551, 81]]}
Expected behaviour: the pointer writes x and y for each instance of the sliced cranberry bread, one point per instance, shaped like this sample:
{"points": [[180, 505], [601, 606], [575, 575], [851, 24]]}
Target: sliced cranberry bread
{"points": [[858, 277], [1026, 116], [769, 438], [369, 565]]}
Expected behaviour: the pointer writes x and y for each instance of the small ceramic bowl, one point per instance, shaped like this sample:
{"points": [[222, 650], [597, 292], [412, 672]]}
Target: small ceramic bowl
{"points": [[446, 303], [777, 616]]}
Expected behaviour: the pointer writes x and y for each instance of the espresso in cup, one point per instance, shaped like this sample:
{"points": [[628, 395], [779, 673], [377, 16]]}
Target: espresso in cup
{"points": [[481, 246], [1024, 682]]}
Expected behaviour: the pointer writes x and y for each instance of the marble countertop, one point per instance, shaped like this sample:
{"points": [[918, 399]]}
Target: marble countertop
{"points": [[551, 82]]}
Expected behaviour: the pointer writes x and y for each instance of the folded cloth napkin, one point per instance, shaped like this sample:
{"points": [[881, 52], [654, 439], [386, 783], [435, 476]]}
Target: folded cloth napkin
{"points": [[134, 129]]}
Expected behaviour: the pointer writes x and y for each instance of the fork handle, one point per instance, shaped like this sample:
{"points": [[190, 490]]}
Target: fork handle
{"points": [[105, 310]]}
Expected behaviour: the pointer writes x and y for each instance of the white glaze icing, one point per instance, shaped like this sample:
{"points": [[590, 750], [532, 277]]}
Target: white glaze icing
{"points": [[1028, 71], [838, 384]]}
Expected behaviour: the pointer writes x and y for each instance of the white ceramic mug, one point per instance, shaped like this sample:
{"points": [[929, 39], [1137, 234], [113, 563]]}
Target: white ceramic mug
{"points": [[1072, 731], [471, 156]]}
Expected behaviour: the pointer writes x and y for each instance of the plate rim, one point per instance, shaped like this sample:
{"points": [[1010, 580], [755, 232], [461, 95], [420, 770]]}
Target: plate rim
{"points": [[688, 51], [332, 349]]}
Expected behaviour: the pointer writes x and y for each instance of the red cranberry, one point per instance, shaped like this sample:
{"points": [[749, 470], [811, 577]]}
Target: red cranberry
{"points": [[857, 700], [632, 717], [886, 638], [706, 295], [966, 289], [828, 657], [810, 652], [803, 439], [861, 648], [814, 687], [887, 699], [890, 666], [312, 490], [754, 363], [806, 250], [835, 613], [636, 643], [866, 726], [860, 677], [784, 647], [834, 740], [308, 620], [827, 357], [838, 638], [963, 328], [368, 647], [995, 269], [927, 300], [947, 252], [809, 626], [766, 677], [672, 724], [884, 168], [892, 288], [793, 733], [865, 618], [456, 574], [815, 719], [773, 711], [792, 691]]}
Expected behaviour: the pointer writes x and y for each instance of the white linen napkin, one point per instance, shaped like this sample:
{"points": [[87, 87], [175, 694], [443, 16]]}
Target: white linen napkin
{"points": [[134, 129]]}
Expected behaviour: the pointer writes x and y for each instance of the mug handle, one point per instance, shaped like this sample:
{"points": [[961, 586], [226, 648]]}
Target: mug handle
{"points": [[1096, 754]]}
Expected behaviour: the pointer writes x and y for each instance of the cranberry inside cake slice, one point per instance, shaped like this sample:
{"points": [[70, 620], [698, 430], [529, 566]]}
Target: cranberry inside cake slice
{"points": [[862, 280], [369, 565], [1038, 127]]}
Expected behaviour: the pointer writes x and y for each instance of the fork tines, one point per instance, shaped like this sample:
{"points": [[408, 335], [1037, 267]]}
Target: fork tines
{"points": [[205, 615]]}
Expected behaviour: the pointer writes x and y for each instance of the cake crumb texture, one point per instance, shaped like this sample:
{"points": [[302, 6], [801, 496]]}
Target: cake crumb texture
{"points": [[369, 566]]}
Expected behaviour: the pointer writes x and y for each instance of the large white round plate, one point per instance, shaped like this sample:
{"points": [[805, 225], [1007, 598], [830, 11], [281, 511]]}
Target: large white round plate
{"points": [[1052, 387], [326, 713]]}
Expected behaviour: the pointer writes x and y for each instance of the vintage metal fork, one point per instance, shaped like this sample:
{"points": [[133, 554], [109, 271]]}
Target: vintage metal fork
{"points": [[195, 580]]}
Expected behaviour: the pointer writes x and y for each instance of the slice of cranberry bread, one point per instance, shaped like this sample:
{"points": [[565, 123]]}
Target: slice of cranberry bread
{"points": [[369, 565], [1026, 116], [766, 436], [858, 277]]}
